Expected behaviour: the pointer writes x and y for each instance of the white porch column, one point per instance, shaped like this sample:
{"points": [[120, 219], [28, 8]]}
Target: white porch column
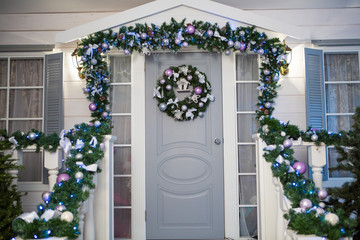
{"points": [[53, 163], [317, 161], [103, 200]]}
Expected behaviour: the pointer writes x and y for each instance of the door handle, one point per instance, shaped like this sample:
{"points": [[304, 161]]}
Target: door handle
{"points": [[217, 141]]}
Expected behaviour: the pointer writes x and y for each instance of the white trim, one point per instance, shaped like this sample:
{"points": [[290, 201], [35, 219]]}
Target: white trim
{"points": [[138, 200], [159, 6], [231, 195]]}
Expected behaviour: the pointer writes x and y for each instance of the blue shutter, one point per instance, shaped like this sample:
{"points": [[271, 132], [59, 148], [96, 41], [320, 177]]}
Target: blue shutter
{"points": [[54, 113], [315, 108], [315, 94]]}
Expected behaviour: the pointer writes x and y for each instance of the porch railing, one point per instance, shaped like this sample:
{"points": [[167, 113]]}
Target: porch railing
{"points": [[95, 214], [273, 204]]}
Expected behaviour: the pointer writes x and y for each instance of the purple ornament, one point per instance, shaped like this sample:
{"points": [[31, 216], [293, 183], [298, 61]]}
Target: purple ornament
{"points": [[190, 29], [230, 43], [104, 45], [287, 143], [46, 196], [184, 108], [242, 46], [168, 87], [60, 208], [185, 44], [261, 51], [189, 77], [105, 114], [168, 72], [177, 41], [209, 33], [305, 204], [198, 90], [322, 194], [300, 167], [143, 36], [62, 178], [201, 104], [162, 81], [126, 52], [92, 106]]}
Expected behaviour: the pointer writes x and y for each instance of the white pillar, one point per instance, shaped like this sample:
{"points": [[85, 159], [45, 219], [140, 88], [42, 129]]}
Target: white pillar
{"points": [[53, 163], [317, 161], [89, 224]]}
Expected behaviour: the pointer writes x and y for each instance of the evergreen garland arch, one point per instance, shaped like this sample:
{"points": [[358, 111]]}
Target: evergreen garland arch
{"points": [[173, 37]]}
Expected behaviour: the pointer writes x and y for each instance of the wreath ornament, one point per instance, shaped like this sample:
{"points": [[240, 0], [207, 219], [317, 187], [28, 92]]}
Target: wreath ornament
{"points": [[184, 78]]}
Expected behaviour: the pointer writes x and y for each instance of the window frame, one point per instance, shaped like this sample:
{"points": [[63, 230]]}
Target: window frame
{"points": [[335, 181]]}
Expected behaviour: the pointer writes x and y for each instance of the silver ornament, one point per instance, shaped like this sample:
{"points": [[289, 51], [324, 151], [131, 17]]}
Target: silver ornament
{"points": [[79, 156], [185, 44], [314, 137], [93, 61], [201, 114], [237, 45], [32, 136], [201, 104], [267, 105], [104, 45], [274, 50], [162, 106], [287, 143], [210, 33], [168, 87], [184, 108], [227, 52], [143, 36], [106, 80], [230, 43], [79, 175]]}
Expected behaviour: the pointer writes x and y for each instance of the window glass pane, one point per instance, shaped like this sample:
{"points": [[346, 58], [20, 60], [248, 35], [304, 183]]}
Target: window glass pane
{"points": [[338, 123], [120, 99], [342, 98], [248, 222], [341, 67], [26, 72], [3, 72], [247, 159], [120, 68], [3, 103], [122, 223], [247, 68], [2, 124], [247, 190], [25, 103], [122, 160], [122, 129], [247, 96], [24, 125], [247, 126], [333, 155], [32, 171], [122, 191]]}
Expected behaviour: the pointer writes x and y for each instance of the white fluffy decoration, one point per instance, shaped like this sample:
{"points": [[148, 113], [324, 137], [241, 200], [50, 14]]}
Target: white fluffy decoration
{"points": [[67, 216], [332, 218]]}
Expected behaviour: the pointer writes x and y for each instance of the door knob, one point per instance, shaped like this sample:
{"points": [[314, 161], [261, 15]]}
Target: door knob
{"points": [[217, 141]]}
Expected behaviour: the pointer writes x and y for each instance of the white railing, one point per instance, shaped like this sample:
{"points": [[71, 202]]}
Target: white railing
{"points": [[95, 214], [273, 204]]}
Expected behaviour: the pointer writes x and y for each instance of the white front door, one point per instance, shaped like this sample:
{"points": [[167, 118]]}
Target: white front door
{"points": [[184, 167]]}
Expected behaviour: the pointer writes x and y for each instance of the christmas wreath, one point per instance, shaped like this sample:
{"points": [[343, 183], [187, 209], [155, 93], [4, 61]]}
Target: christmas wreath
{"points": [[184, 78]]}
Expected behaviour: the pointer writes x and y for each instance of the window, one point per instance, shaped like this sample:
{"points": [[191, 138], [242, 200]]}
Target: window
{"points": [[333, 93], [120, 68], [247, 78]]}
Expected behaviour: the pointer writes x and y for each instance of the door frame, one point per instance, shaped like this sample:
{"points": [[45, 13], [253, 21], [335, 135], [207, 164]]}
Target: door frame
{"points": [[138, 187]]}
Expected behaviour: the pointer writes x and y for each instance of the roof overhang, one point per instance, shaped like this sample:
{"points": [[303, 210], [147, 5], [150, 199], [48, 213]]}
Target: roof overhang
{"points": [[159, 6]]}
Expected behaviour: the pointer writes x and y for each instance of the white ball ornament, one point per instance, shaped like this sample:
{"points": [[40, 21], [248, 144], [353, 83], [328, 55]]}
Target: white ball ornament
{"points": [[168, 87], [322, 204], [265, 128], [32, 136], [162, 106], [230, 43], [332, 218], [314, 137], [237, 45], [210, 33], [274, 50], [283, 133], [67, 216], [79, 175], [79, 156], [93, 61], [287, 143]]}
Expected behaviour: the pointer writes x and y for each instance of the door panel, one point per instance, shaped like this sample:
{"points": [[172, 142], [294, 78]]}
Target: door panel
{"points": [[184, 167]]}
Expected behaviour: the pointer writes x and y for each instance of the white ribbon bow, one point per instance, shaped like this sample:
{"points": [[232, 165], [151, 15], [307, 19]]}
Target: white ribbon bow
{"points": [[279, 159], [271, 147], [217, 34], [176, 75], [93, 142], [79, 144], [171, 101], [208, 97], [96, 90], [179, 35], [64, 142], [157, 93], [189, 113], [49, 214], [201, 78], [184, 69], [195, 98], [29, 217], [14, 142], [178, 114], [90, 168], [145, 51], [89, 51]]}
